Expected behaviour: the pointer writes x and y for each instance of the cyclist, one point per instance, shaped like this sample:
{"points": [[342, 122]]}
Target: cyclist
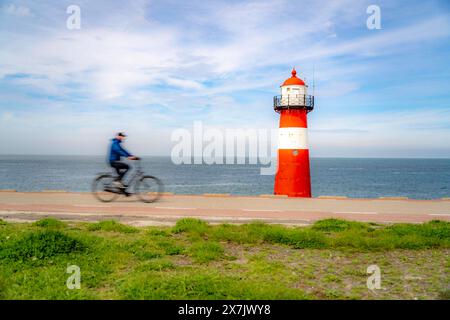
{"points": [[115, 154]]}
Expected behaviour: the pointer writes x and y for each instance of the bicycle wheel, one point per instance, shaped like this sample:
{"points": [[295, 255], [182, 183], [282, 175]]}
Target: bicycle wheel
{"points": [[149, 189], [102, 188]]}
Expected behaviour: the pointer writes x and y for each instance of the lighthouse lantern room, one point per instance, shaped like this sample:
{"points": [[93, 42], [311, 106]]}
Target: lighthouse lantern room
{"points": [[293, 171]]}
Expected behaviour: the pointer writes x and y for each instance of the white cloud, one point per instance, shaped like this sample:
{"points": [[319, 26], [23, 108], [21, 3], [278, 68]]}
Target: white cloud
{"points": [[19, 11], [422, 133], [110, 63], [184, 83], [219, 63]]}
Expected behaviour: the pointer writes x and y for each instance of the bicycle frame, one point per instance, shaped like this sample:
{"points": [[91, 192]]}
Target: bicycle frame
{"points": [[135, 183], [137, 173]]}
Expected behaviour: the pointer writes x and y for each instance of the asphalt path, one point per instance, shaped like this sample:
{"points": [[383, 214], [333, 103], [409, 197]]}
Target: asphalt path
{"points": [[30, 206]]}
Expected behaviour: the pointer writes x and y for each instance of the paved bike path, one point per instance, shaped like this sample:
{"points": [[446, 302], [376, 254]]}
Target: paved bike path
{"points": [[30, 206]]}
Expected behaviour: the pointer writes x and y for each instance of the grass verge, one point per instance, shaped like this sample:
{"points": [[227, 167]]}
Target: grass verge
{"points": [[195, 260]]}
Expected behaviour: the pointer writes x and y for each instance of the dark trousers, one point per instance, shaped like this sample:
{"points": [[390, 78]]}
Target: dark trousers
{"points": [[121, 169]]}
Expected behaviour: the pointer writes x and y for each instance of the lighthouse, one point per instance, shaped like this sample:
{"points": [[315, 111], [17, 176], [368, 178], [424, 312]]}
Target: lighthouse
{"points": [[293, 175]]}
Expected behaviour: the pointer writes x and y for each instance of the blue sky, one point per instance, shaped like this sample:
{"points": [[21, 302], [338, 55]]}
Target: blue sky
{"points": [[149, 67]]}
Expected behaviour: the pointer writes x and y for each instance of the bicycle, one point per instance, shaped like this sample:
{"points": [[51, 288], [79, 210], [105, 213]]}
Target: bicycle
{"points": [[147, 188]]}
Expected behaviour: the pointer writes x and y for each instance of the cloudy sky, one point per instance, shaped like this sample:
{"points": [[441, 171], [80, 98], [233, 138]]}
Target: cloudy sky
{"points": [[150, 67]]}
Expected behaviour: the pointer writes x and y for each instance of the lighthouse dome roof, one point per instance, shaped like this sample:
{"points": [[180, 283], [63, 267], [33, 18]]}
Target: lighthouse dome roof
{"points": [[294, 80]]}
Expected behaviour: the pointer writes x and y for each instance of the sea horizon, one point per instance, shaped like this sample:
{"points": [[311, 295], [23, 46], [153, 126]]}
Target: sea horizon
{"points": [[416, 178], [168, 156]]}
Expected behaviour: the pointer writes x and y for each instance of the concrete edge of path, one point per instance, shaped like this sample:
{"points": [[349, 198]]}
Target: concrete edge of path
{"points": [[140, 220]]}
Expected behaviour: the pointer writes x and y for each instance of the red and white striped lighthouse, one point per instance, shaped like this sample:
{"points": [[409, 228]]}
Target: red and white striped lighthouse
{"points": [[293, 176]]}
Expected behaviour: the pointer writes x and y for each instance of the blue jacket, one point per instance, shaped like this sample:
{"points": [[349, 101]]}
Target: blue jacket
{"points": [[116, 151]]}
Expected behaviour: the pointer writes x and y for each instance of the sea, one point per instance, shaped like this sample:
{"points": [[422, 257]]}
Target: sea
{"points": [[351, 177]]}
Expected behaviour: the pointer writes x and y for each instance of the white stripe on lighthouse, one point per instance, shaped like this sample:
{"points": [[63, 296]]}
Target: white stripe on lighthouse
{"points": [[293, 138]]}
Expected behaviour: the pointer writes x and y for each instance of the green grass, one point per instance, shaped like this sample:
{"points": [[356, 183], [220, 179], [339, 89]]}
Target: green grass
{"points": [[444, 294], [49, 223], [205, 251], [195, 260], [190, 225], [339, 234], [297, 238], [38, 245], [112, 226], [203, 284], [337, 225]]}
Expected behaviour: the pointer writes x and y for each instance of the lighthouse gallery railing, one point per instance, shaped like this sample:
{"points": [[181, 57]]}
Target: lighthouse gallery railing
{"points": [[293, 101]]}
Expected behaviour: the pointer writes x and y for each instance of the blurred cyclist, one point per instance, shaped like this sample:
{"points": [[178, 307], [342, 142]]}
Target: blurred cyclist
{"points": [[115, 154]]}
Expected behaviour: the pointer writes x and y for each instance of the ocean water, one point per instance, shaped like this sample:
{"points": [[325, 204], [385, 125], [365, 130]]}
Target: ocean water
{"points": [[352, 177]]}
